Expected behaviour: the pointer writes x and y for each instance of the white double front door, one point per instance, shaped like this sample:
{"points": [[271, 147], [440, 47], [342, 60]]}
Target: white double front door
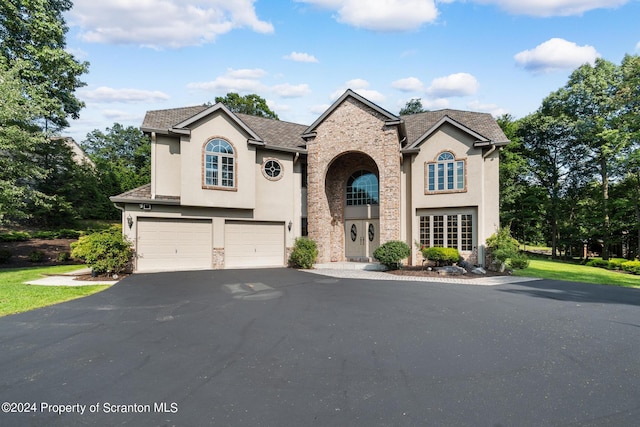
{"points": [[362, 237]]}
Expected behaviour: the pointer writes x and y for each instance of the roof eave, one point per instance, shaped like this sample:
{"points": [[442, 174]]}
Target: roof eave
{"points": [[136, 200]]}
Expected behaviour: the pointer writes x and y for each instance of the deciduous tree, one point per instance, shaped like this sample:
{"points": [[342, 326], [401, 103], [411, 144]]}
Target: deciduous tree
{"points": [[248, 104]]}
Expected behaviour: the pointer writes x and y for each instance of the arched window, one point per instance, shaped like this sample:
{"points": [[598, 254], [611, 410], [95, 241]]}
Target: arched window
{"points": [[219, 164], [446, 174], [362, 189]]}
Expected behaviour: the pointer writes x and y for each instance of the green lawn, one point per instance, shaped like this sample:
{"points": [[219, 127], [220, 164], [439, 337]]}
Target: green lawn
{"points": [[547, 269], [16, 297]]}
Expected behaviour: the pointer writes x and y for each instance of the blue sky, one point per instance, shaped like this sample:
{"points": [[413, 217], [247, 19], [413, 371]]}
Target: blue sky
{"points": [[496, 56]]}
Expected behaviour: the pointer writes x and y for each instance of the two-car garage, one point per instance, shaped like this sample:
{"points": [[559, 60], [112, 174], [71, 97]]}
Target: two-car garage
{"points": [[166, 244]]}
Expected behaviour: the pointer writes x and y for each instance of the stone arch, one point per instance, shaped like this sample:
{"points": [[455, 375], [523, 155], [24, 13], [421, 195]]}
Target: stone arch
{"points": [[338, 171]]}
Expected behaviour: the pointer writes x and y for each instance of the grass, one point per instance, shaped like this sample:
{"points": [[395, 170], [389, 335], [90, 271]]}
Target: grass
{"points": [[557, 270], [17, 297]]}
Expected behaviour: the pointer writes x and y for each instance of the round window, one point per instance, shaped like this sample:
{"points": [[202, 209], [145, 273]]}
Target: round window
{"points": [[272, 169]]}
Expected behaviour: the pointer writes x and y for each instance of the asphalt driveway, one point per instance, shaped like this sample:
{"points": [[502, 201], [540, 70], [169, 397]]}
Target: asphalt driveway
{"points": [[281, 347]]}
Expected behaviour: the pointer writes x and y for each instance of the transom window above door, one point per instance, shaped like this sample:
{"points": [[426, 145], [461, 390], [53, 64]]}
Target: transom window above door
{"points": [[362, 189], [219, 164], [445, 174]]}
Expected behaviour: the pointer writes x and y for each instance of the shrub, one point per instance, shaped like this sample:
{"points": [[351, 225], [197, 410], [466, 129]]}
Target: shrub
{"points": [[15, 236], [614, 264], [391, 253], [632, 267], [600, 263], [441, 256], [36, 256], [5, 255], [519, 261], [304, 254], [68, 234], [105, 252], [63, 257], [45, 235], [501, 245]]}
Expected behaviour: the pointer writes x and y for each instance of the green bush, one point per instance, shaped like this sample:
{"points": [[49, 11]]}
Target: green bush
{"points": [[15, 236], [597, 262], [5, 255], [519, 261], [63, 257], [304, 254], [501, 245], [632, 267], [614, 264], [105, 252], [391, 253], [441, 256], [36, 256], [66, 233], [45, 235]]}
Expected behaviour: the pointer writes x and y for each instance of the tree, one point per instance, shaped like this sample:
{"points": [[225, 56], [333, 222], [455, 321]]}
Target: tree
{"points": [[122, 157], [19, 139], [248, 104], [413, 106], [555, 160], [591, 101], [33, 32]]}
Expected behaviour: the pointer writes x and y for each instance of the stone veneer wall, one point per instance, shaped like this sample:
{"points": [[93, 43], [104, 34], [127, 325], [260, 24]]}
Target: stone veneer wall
{"points": [[218, 258], [351, 127]]}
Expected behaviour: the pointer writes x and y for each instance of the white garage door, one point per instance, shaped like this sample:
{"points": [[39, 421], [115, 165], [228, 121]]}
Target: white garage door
{"points": [[253, 244], [173, 244]]}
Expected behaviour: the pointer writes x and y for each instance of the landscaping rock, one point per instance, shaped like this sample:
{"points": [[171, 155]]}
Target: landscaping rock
{"points": [[479, 270]]}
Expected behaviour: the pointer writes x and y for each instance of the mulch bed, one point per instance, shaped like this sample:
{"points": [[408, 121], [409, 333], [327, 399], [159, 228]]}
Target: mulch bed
{"points": [[424, 272], [51, 249]]}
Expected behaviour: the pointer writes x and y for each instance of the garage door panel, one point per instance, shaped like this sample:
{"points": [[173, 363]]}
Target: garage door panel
{"points": [[173, 244], [254, 244]]}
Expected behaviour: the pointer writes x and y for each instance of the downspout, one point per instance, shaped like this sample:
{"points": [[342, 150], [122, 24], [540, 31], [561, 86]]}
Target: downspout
{"points": [[154, 156], [491, 150]]}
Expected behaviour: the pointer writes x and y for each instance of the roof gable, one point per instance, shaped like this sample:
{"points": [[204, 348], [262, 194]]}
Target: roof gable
{"points": [[391, 119], [480, 126]]}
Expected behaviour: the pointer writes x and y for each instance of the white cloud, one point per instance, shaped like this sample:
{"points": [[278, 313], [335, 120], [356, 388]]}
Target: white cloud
{"points": [[459, 84], [552, 7], [105, 94], [160, 24], [638, 46], [381, 15], [249, 80], [240, 81], [361, 87], [122, 116], [492, 109], [319, 109], [556, 54], [435, 104], [291, 91], [301, 57], [410, 84]]}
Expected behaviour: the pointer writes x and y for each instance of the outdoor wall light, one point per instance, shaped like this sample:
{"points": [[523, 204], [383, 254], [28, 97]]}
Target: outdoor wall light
{"points": [[130, 221], [290, 225]]}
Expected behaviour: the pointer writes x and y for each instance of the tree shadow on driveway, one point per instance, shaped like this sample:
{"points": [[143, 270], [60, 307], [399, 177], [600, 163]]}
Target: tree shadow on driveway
{"points": [[577, 292]]}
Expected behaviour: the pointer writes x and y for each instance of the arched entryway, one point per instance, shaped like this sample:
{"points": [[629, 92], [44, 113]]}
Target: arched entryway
{"points": [[352, 191]]}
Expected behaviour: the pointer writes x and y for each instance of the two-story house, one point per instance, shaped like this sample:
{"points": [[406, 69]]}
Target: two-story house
{"points": [[231, 190]]}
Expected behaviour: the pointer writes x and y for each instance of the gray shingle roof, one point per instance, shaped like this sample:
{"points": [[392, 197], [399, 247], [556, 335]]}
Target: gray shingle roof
{"points": [[482, 123], [142, 194], [162, 120], [277, 133]]}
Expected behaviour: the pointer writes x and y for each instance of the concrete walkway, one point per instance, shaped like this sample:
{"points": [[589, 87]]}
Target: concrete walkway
{"points": [[374, 271], [68, 279]]}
